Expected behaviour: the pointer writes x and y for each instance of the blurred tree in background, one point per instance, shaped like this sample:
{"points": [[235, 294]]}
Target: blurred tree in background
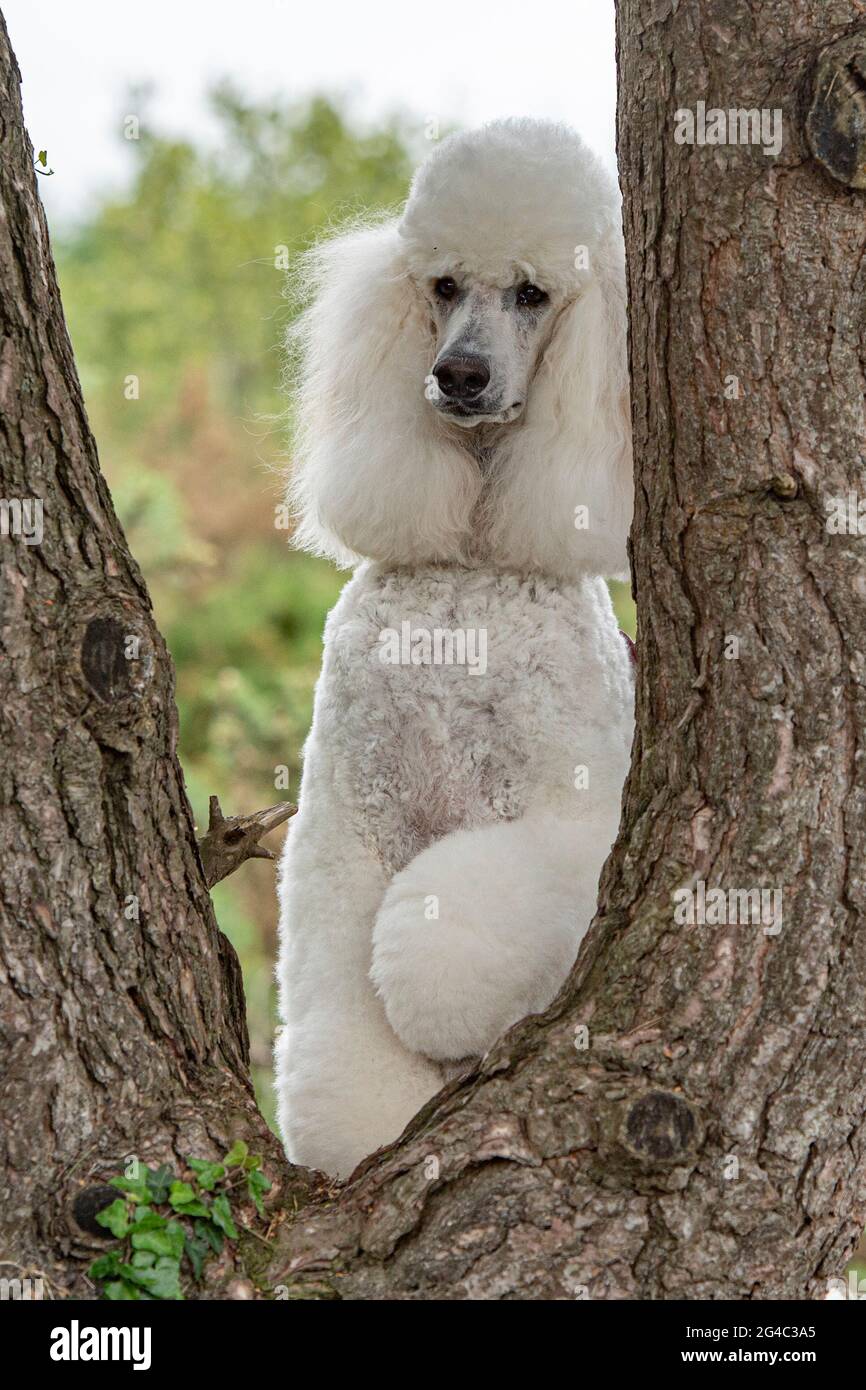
{"points": [[174, 292]]}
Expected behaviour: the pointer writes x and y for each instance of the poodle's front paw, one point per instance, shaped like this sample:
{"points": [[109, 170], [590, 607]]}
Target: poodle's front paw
{"points": [[478, 931], [435, 977]]}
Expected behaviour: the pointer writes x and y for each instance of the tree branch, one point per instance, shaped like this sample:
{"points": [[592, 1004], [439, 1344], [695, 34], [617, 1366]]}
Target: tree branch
{"points": [[232, 840]]}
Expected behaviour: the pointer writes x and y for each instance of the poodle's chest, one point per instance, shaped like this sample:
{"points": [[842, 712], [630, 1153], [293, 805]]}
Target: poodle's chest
{"points": [[456, 704], [429, 756], [434, 757]]}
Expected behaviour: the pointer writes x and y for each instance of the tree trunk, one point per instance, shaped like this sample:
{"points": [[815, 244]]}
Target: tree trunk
{"points": [[121, 1004], [687, 1120]]}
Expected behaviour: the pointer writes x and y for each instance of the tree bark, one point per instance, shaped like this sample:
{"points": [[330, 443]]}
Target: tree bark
{"points": [[121, 1004], [687, 1120]]}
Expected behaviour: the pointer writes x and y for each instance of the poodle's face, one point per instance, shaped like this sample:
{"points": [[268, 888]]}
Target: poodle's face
{"points": [[494, 303], [488, 344]]}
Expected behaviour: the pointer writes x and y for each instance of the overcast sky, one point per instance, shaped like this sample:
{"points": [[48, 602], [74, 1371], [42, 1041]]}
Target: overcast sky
{"points": [[469, 62]]}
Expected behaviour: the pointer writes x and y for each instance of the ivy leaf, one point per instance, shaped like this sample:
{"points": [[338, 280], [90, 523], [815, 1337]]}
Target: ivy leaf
{"points": [[184, 1200], [136, 1187], [121, 1291], [165, 1242], [195, 1208], [114, 1217], [197, 1248], [180, 1193], [221, 1215], [257, 1184], [236, 1154], [106, 1266], [252, 1161], [147, 1220], [208, 1174], [206, 1231], [162, 1280], [143, 1259], [159, 1181]]}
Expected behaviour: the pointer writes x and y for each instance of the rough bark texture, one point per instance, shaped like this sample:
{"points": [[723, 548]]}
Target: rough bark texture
{"points": [[556, 1170], [121, 1004]]}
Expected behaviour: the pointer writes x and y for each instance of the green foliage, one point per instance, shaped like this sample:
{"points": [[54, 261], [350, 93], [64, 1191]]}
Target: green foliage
{"points": [[623, 606], [168, 1226], [186, 268], [207, 1174]]}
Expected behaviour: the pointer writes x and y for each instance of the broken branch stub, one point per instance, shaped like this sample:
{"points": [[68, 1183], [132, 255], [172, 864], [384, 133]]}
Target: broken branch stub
{"points": [[232, 840]]}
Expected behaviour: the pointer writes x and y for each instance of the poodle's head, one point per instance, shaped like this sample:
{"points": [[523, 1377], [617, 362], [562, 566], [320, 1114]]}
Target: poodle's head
{"points": [[498, 230], [463, 388]]}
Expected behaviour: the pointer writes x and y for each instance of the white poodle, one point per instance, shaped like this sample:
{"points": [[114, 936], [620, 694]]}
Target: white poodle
{"points": [[463, 439]]}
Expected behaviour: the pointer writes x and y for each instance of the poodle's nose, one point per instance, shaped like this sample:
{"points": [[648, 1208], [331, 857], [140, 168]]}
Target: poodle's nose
{"points": [[462, 378]]}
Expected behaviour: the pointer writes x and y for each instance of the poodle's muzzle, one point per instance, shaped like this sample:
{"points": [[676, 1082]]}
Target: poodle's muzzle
{"points": [[460, 387], [462, 379], [487, 345]]}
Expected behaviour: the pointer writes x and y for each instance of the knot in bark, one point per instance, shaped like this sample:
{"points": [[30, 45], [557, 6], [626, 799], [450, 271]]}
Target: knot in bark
{"points": [[115, 661], [836, 117], [87, 1205], [660, 1127]]}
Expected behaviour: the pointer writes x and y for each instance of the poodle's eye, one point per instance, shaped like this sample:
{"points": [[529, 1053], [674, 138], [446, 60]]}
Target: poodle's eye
{"points": [[446, 288], [531, 295]]}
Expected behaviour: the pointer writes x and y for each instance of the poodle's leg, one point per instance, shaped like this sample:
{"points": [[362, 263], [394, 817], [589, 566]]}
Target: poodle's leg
{"points": [[345, 1082], [482, 928]]}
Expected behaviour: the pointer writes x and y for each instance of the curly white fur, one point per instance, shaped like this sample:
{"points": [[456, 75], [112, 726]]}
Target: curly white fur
{"points": [[443, 866]]}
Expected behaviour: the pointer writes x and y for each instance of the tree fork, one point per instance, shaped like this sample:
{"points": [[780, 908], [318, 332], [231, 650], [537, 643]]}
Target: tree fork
{"points": [[687, 1120]]}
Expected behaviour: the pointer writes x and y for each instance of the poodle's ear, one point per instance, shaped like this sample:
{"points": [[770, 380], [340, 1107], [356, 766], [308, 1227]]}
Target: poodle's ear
{"points": [[565, 492], [373, 475]]}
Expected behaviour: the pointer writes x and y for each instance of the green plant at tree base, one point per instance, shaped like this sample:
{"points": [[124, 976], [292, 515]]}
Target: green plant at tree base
{"points": [[162, 1221]]}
